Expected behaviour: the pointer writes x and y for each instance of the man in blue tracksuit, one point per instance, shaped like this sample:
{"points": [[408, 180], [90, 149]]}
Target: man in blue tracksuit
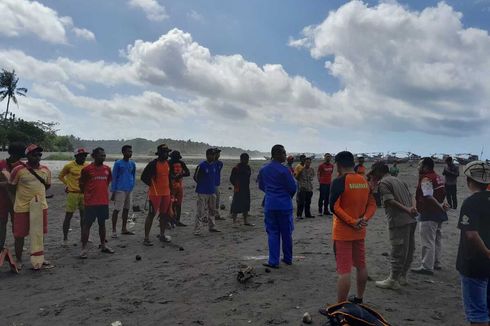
{"points": [[279, 186]]}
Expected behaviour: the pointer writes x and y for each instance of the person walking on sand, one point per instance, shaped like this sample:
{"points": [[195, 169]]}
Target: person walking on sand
{"points": [[94, 183], [353, 206], [430, 196], [240, 179], [305, 179], [31, 180], [70, 177], [473, 261], [325, 171], [219, 167], [451, 174], [123, 181], [400, 213], [205, 177], [156, 175], [16, 151], [394, 170], [279, 186], [178, 171]]}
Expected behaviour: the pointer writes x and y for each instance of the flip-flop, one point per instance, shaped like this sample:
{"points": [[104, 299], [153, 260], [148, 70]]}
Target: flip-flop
{"points": [[46, 265], [83, 254], [147, 243], [249, 224], [127, 233], [107, 250], [270, 266]]}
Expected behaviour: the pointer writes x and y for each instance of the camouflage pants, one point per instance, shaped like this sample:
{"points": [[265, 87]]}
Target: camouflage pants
{"points": [[205, 212]]}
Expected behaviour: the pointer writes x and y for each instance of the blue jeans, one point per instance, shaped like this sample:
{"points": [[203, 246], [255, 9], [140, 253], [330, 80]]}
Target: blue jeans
{"points": [[279, 225], [476, 299]]}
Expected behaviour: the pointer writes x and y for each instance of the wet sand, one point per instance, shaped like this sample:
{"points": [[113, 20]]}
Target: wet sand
{"points": [[198, 286]]}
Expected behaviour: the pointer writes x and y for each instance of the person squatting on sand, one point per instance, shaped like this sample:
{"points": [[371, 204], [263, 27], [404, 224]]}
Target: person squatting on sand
{"points": [[205, 176], [279, 186], [305, 177], [156, 175], [429, 197], [70, 177], [451, 174], [219, 167], [353, 205], [473, 261], [325, 171], [178, 170], [123, 181], [400, 213], [94, 183], [31, 180], [240, 179], [7, 196]]}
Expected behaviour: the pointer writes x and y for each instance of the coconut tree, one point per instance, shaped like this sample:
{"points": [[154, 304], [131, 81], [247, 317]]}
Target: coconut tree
{"points": [[9, 89]]}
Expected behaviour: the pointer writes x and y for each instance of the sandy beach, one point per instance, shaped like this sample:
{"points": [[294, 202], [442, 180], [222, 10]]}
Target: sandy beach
{"points": [[198, 286]]}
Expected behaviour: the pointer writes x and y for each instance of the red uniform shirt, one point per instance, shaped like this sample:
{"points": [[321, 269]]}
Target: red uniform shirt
{"points": [[95, 181], [325, 171]]}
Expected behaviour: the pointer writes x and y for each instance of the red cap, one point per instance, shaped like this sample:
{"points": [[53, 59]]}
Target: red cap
{"points": [[33, 147], [80, 150]]}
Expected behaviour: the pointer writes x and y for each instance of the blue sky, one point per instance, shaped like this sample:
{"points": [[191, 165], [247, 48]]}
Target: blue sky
{"points": [[314, 75]]}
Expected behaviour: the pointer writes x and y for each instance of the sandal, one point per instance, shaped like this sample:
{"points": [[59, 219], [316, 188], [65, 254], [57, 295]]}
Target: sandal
{"points": [[127, 233], [147, 243], [323, 311], [83, 254], [270, 266], [107, 250]]}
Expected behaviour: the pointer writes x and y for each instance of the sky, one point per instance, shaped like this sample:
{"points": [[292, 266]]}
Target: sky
{"points": [[315, 76]]}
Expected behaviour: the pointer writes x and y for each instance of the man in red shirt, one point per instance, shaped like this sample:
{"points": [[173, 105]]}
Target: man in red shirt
{"points": [[325, 171], [94, 183], [16, 151]]}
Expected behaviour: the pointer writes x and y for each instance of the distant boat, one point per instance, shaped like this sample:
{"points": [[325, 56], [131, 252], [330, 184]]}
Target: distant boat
{"points": [[466, 158]]}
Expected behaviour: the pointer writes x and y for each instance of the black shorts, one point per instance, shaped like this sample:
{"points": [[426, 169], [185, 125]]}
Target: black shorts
{"points": [[101, 213]]}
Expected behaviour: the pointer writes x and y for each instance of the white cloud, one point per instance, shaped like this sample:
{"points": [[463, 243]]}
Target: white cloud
{"points": [[34, 109], [84, 33], [194, 15], [153, 10], [411, 70], [24, 17]]}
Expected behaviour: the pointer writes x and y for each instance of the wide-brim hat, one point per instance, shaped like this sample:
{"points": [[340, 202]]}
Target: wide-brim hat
{"points": [[478, 171], [33, 148], [163, 148]]}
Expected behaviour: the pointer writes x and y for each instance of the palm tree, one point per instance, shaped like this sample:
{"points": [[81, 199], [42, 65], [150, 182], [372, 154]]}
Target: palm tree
{"points": [[9, 89]]}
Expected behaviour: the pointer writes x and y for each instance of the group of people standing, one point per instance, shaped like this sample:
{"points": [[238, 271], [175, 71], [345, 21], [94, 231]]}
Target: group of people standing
{"points": [[353, 204], [91, 187]]}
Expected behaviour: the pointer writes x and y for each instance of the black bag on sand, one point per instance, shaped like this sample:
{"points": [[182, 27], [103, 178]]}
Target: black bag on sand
{"points": [[352, 314]]}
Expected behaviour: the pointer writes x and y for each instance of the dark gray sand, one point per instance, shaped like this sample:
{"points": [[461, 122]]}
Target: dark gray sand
{"points": [[198, 286]]}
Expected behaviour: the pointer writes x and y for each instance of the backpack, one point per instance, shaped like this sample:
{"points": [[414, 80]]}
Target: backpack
{"points": [[352, 314]]}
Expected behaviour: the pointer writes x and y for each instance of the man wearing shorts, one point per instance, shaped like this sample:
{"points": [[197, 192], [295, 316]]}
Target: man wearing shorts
{"points": [[473, 262], [94, 183], [178, 171], [123, 180], [156, 176], [16, 152], [352, 205], [205, 177], [31, 180], [70, 177]]}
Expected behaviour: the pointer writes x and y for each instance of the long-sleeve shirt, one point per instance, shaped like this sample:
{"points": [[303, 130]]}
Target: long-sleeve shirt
{"points": [[279, 186], [123, 176], [350, 200]]}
